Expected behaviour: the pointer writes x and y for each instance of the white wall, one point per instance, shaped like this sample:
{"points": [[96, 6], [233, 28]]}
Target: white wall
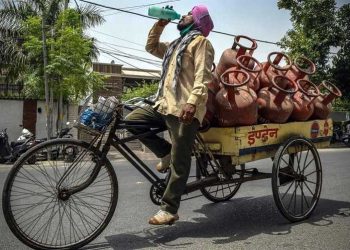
{"points": [[11, 116], [72, 111]]}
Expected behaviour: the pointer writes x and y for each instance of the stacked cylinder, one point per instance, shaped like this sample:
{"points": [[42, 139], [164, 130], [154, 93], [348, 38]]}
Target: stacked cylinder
{"points": [[245, 92]]}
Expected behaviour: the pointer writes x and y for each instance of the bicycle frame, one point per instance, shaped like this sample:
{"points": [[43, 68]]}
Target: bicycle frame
{"points": [[120, 145]]}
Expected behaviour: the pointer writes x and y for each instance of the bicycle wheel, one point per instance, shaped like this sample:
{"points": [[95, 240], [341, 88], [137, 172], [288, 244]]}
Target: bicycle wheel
{"points": [[222, 192], [296, 179], [42, 215]]}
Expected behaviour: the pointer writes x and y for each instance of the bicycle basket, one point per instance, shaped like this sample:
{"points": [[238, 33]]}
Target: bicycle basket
{"points": [[95, 118]]}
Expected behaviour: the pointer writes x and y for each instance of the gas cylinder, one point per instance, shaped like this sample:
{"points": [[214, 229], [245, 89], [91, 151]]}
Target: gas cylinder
{"points": [[213, 89], [228, 57], [323, 103], [236, 102], [303, 100], [275, 103], [274, 67], [301, 67], [243, 62]]}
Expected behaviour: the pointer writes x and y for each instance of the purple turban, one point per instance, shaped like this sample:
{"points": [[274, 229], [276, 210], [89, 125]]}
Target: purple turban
{"points": [[202, 19]]}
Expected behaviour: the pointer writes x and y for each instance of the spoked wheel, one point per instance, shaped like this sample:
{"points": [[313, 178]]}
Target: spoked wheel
{"points": [[222, 192], [44, 216], [296, 179]]}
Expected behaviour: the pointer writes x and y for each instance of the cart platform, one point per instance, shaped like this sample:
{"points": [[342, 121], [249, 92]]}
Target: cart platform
{"points": [[250, 143]]}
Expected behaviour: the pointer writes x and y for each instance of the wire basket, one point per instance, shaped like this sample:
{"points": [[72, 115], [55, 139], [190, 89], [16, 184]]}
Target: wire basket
{"points": [[95, 118]]}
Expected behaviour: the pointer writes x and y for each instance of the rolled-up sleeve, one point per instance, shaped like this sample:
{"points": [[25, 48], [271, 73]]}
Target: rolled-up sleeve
{"points": [[154, 46], [203, 61]]}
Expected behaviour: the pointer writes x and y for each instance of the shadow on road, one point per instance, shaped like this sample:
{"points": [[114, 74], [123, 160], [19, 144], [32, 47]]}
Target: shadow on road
{"points": [[227, 222]]}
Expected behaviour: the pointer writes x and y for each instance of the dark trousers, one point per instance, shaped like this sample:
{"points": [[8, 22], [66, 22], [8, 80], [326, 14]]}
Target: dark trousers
{"points": [[182, 138]]}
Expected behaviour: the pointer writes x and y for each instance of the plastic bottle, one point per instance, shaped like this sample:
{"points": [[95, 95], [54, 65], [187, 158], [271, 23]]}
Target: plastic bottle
{"points": [[166, 13]]}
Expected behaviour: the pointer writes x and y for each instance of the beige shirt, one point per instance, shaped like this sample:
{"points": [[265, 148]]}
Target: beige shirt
{"points": [[193, 78]]}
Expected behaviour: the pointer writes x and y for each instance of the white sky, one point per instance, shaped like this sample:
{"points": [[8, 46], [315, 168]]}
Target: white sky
{"points": [[259, 19]]}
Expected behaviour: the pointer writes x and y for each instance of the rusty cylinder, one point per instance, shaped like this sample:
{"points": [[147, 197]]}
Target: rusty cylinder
{"points": [[243, 63], [275, 103], [301, 68], [236, 102], [322, 104], [213, 89], [229, 56], [303, 100], [272, 68]]}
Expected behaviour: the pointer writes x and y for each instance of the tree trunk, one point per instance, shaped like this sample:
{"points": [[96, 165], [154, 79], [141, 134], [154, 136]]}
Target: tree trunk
{"points": [[46, 82]]}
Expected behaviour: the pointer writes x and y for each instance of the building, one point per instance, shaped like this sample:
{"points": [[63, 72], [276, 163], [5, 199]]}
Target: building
{"points": [[17, 112], [120, 78]]}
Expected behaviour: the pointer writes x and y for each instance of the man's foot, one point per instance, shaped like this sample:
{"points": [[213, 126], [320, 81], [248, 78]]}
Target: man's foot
{"points": [[164, 164], [163, 218]]}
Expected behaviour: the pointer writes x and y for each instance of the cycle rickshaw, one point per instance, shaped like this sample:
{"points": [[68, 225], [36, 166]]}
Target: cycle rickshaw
{"points": [[65, 204]]}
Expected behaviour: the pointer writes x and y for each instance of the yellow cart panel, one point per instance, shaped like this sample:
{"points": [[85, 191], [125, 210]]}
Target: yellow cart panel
{"points": [[250, 143]]}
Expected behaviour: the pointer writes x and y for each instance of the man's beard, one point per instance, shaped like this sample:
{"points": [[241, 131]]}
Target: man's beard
{"points": [[182, 26]]}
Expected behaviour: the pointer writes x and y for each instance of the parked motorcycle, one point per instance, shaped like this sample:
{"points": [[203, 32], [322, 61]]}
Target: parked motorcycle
{"points": [[10, 152], [68, 153], [341, 133], [346, 139]]}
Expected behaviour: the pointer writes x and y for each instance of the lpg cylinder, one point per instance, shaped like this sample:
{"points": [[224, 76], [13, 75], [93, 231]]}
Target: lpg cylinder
{"points": [[228, 57], [213, 89], [275, 103], [322, 103], [274, 67], [243, 63], [303, 100], [301, 67], [236, 102]]}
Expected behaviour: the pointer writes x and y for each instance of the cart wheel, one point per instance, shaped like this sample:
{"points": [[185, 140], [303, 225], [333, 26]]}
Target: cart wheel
{"points": [[223, 192], [296, 178]]}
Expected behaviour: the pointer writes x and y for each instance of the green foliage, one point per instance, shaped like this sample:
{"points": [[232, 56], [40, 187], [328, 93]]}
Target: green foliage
{"points": [[341, 104], [340, 70], [318, 28], [142, 90], [69, 50], [68, 58], [314, 31]]}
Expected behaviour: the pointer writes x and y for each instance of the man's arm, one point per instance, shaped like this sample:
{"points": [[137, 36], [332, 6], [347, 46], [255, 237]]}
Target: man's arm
{"points": [[153, 45], [203, 61]]}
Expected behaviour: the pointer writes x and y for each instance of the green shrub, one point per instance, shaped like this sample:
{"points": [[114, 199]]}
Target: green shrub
{"points": [[142, 90]]}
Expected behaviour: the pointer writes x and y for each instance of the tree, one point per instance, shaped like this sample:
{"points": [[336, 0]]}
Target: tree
{"points": [[340, 70], [142, 90], [318, 28], [13, 20], [314, 32]]}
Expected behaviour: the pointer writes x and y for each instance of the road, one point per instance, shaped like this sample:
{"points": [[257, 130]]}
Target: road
{"points": [[248, 221]]}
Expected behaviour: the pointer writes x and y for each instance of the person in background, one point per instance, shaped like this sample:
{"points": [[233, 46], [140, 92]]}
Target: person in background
{"points": [[180, 102]]}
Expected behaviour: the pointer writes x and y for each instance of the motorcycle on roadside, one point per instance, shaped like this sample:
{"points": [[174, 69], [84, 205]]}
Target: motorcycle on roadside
{"points": [[346, 136], [68, 153], [10, 152], [341, 133]]}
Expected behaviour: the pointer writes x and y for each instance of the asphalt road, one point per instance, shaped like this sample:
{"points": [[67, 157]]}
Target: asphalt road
{"points": [[250, 220]]}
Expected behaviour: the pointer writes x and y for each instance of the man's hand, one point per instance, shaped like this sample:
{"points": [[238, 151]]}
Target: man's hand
{"points": [[163, 22], [187, 113]]}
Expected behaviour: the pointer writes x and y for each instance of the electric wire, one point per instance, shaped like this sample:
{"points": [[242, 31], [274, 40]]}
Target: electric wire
{"points": [[146, 16], [146, 60], [111, 55], [140, 6], [119, 52]]}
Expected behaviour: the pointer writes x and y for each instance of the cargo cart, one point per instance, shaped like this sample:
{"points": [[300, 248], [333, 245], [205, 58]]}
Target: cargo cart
{"points": [[64, 202]]}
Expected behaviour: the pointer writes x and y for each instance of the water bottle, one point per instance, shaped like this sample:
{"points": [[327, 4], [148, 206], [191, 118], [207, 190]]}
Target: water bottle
{"points": [[166, 13]]}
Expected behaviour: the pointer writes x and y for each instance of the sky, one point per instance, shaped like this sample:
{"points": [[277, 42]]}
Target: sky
{"points": [[126, 33]]}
